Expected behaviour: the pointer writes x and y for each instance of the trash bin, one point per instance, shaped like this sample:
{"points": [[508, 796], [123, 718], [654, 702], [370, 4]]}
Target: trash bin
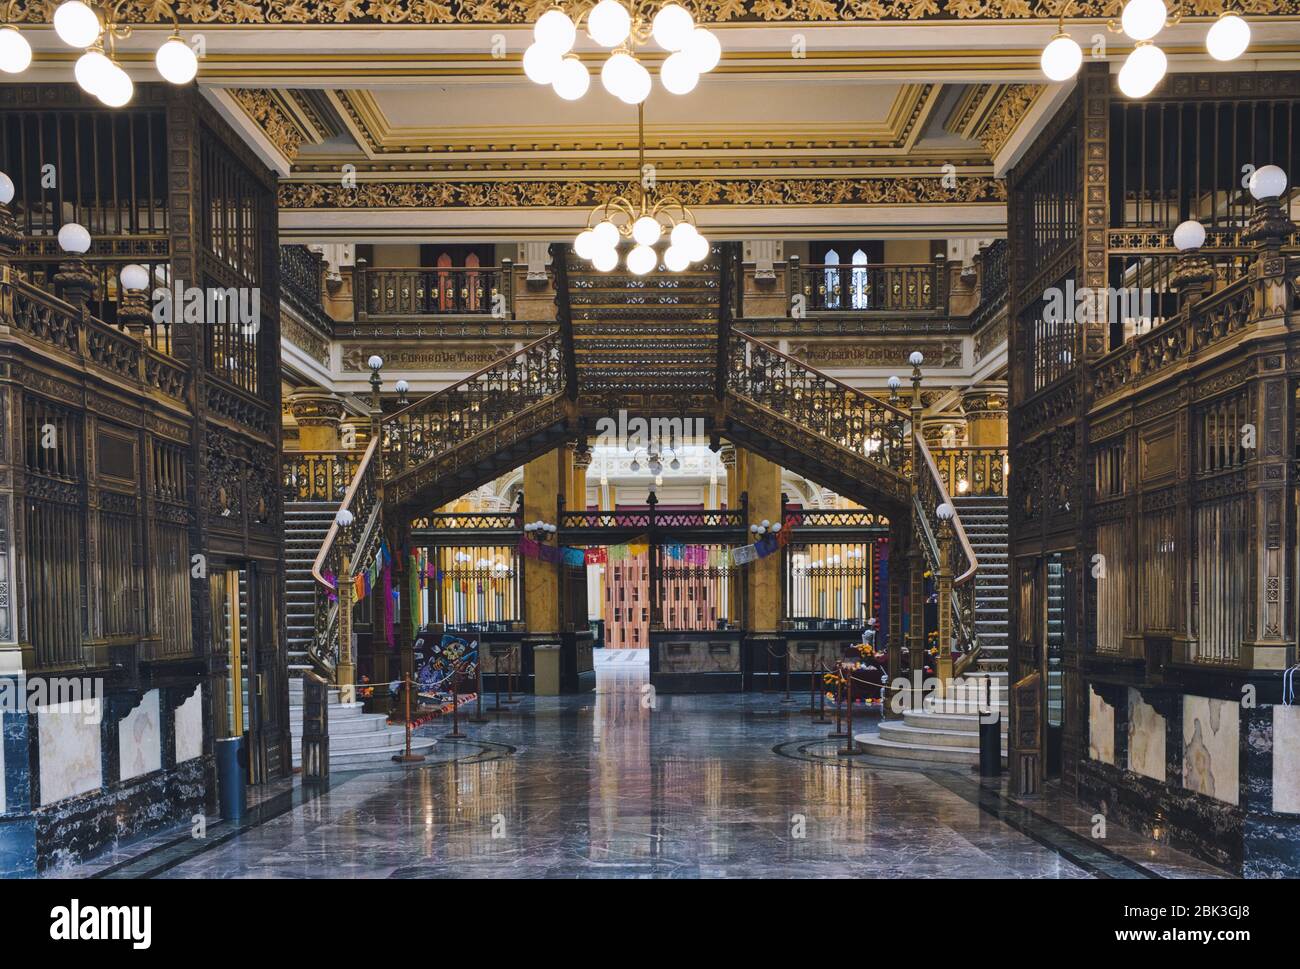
{"points": [[232, 771], [991, 744], [546, 669]]}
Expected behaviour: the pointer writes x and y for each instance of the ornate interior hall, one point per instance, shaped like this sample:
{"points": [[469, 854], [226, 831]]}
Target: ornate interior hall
{"points": [[649, 439]]}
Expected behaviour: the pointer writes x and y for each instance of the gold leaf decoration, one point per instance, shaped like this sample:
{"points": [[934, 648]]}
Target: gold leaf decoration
{"points": [[888, 190], [707, 11]]}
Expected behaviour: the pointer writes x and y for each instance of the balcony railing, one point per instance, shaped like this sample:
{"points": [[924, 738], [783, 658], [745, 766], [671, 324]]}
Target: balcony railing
{"points": [[318, 475], [892, 287], [972, 471], [398, 292]]}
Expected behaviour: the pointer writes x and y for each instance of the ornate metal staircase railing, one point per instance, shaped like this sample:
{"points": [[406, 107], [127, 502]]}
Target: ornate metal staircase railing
{"points": [[449, 433], [340, 559], [855, 439], [439, 447], [962, 564]]}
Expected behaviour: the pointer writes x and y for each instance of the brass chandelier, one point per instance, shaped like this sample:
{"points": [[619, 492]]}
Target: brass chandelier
{"points": [[692, 50], [96, 30], [645, 221]]}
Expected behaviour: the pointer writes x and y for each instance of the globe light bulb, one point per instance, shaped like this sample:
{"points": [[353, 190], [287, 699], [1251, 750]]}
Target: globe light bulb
{"points": [[585, 245], [605, 259], [74, 238], [134, 276], [646, 230], [683, 233], [572, 79], [698, 248], [6, 189], [641, 260], [176, 61], [541, 64], [678, 74], [606, 234], [609, 23], [92, 70], [636, 85], [1228, 37], [1189, 235], [1143, 19], [614, 71], [703, 50], [672, 27], [117, 89], [1061, 58], [1267, 182], [15, 52], [676, 258], [1142, 70], [76, 24], [554, 30]]}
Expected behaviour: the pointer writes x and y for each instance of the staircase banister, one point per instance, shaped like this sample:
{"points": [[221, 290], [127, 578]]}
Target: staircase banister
{"points": [[958, 528], [767, 347], [332, 534], [395, 416]]}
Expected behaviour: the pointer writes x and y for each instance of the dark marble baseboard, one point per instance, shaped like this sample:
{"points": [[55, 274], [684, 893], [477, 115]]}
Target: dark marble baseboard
{"points": [[76, 829], [1188, 821]]}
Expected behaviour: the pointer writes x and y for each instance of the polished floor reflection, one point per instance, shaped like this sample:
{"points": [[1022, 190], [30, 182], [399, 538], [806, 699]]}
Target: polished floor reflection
{"points": [[625, 784]]}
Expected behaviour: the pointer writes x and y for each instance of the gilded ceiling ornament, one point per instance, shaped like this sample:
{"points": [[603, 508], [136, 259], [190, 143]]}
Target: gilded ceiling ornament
{"points": [[260, 105], [888, 190], [706, 11], [1007, 114]]}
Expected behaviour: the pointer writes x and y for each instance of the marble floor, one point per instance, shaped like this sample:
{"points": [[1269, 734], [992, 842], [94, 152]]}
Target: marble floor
{"points": [[623, 783]]}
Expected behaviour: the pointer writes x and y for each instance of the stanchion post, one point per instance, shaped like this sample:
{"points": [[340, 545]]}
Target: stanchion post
{"points": [[408, 758], [455, 708], [496, 681], [821, 694], [839, 712], [478, 691], [515, 658], [848, 749]]}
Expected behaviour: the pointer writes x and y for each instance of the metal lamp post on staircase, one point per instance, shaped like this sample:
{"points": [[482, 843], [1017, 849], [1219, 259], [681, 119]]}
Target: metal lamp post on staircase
{"points": [[344, 671], [915, 559], [943, 580]]}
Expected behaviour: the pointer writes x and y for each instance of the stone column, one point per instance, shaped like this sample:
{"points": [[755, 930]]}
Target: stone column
{"points": [[542, 482], [727, 455], [764, 282], [944, 431], [318, 414], [576, 498], [763, 578], [985, 409]]}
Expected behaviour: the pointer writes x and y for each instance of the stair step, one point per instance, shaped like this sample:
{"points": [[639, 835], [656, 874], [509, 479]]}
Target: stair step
{"points": [[373, 757]]}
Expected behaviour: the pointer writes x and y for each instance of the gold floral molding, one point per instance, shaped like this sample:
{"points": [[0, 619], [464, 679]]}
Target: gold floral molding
{"points": [[276, 123], [707, 11], [584, 193], [1007, 114]]}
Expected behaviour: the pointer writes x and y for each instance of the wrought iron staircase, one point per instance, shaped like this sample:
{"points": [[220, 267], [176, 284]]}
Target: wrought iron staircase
{"points": [[436, 450]]}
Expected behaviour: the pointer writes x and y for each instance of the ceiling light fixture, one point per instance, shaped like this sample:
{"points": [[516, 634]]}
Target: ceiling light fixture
{"points": [[1145, 66], [96, 30], [645, 221], [692, 50]]}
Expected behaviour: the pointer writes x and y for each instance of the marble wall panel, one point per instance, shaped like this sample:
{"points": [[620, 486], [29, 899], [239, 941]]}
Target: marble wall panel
{"points": [[2, 762], [1146, 738], [1211, 747], [139, 738], [189, 728], [1286, 759], [1101, 729], [70, 739]]}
